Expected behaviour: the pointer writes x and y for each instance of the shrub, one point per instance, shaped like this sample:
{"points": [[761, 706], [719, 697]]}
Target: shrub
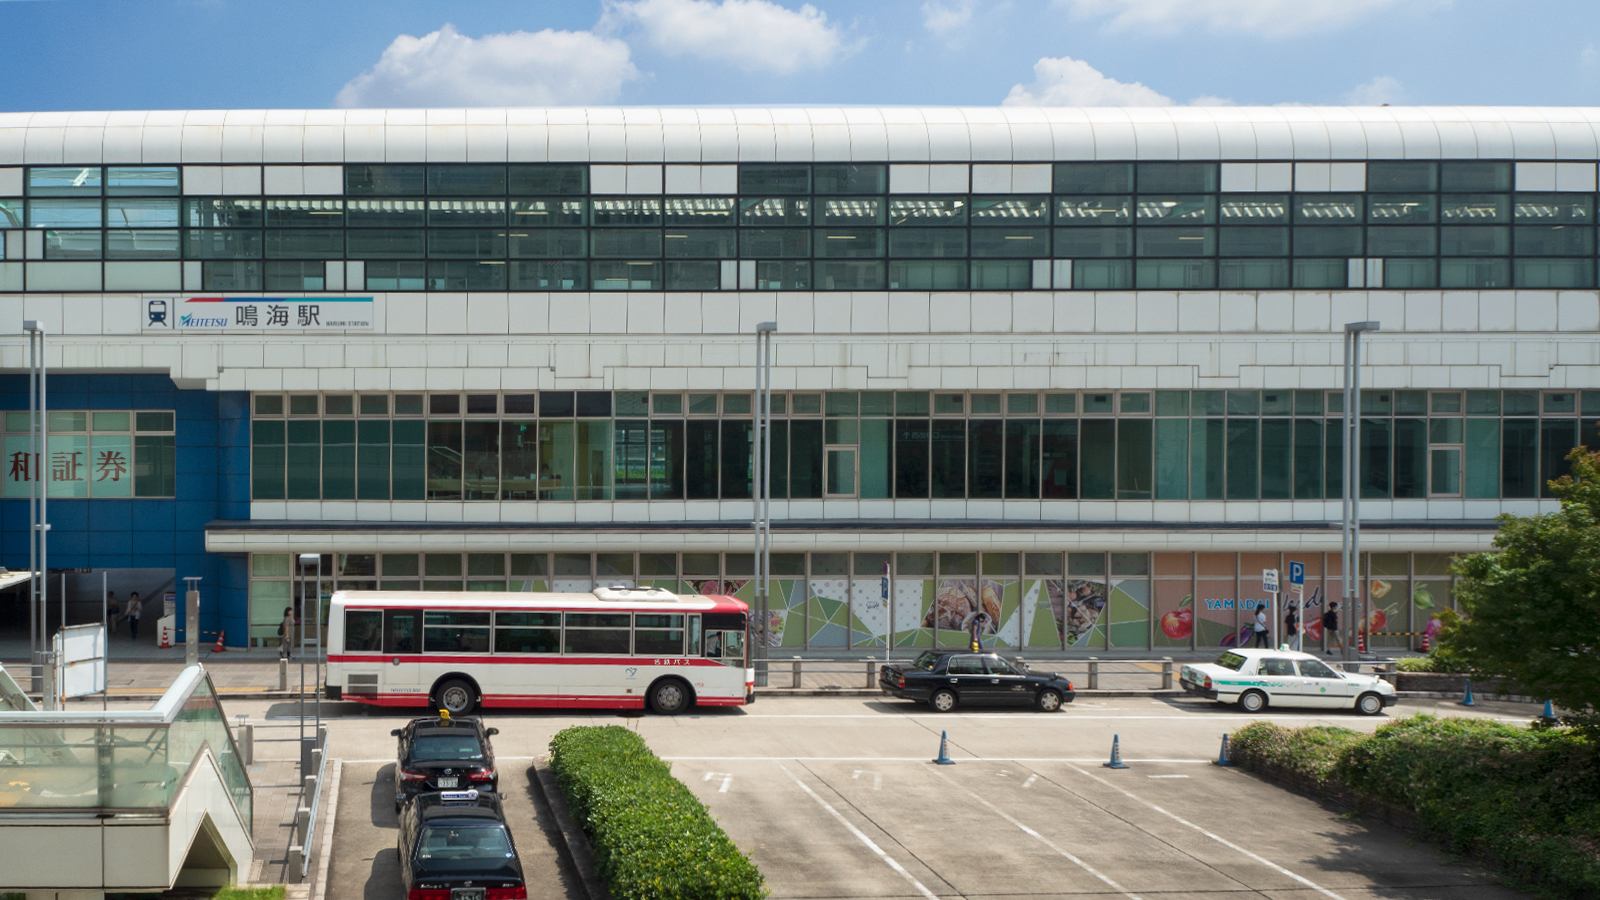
{"points": [[1527, 798], [653, 839]]}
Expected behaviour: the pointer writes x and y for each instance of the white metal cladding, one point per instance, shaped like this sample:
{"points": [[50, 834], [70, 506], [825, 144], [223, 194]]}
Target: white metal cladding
{"points": [[900, 134]]}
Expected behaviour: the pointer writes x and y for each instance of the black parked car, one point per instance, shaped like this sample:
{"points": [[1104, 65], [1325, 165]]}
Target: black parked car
{"points": [[943, 679], [443, 754], [454, 845]]}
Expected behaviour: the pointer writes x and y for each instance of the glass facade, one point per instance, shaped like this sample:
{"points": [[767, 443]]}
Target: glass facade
{"points": [[93, 453], [1037, 602], [1243, 445], [825, 227]]}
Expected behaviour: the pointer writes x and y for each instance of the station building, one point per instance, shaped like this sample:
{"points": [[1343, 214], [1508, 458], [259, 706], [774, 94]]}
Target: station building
{"points": [[1077, 369]]}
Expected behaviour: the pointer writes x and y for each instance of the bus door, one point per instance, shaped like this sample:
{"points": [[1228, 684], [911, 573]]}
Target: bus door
{"points": [[402, 644], [363, 637]]}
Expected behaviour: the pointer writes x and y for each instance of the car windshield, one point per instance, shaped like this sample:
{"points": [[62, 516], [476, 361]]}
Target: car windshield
{"points": [[465, 842], [1230, 660], [926, 660], [449, 747]]}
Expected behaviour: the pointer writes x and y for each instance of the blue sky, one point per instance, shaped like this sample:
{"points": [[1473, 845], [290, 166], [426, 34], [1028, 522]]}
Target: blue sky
{"points": [[175, 54]]}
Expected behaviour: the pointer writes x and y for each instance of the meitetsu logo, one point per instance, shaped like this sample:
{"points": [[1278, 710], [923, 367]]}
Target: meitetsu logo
{"points": [[190, 320]]}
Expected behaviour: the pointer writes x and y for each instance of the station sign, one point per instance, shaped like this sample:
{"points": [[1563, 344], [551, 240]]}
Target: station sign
{"points": [[257, 314]]}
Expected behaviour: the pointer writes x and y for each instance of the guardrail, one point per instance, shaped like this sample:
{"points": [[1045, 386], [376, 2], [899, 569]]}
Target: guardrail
{"points": [[305, 817], [1084, 672]]}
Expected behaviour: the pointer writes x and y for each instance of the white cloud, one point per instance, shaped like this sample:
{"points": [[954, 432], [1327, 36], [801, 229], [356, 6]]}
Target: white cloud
{"points": [[750, 34], [1065, 81], [1274, 18], [1376, 92], [941, 18], [447, 68], [1589, 57]]}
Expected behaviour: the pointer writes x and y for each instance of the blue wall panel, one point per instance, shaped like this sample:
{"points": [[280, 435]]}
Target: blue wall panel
{"points": [[213, 436]]}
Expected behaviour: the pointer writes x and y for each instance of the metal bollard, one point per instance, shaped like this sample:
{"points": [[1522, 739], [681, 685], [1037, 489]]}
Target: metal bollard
{"points": [[306, 746], [322, 736], [1166, 673], [302, 823], [247, 744], [296, 861], [871, 666], [316, 761], [283, 674], [1094, 673], [797, 671]]}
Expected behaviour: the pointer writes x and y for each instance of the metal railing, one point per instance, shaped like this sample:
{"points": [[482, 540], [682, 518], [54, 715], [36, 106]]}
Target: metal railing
{"points": [[309, 833], [1085, 673]]}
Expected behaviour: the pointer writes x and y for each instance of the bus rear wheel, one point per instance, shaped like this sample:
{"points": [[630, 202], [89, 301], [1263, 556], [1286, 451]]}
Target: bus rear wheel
{"points": [[669, 696], [457, 696]]}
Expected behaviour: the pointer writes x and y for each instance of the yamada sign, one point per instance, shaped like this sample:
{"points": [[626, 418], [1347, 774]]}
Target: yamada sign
{"points": [[258, 314]]}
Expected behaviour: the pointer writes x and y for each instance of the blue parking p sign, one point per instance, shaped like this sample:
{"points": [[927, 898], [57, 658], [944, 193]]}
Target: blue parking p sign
{"points": [[1297, 573]]}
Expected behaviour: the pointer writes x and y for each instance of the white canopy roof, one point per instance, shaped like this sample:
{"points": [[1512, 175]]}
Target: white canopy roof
{"points": [[898, 134]]}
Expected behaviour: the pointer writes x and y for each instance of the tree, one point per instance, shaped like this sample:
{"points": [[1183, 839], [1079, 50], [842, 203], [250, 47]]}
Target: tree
{"points": [[1531, 611]]}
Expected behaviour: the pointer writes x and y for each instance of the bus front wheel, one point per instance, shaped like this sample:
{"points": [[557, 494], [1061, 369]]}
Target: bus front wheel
{"points": [[456, 695], [669, 696]]}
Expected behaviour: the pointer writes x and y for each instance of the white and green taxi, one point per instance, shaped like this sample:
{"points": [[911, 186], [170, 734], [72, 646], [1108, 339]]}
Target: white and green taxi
{"points": [[1255, 679]]}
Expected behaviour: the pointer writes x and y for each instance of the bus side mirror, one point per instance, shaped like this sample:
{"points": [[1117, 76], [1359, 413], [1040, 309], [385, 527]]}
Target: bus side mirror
{"points": [[395, 733]]}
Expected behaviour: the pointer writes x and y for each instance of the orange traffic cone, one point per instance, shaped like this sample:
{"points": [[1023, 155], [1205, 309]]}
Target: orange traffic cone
{"points": [[219, 647], [1361, 641], [1425, 642], [166, 638]]}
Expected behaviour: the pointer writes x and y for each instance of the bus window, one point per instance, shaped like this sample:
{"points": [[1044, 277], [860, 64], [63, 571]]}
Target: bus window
{"points": [[733, 648], [694, 635], [597, 632], [455, 632], [402, 631], [657, 635], [363, 631], [527, 632], [726, 647]]}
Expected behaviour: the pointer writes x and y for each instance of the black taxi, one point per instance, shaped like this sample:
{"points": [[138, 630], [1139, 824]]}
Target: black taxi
{"points": [[944, 679], [454, 845], [443, 754]]}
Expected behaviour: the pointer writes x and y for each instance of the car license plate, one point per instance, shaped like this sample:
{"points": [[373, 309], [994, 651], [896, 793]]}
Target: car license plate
{"points": [[467, 894], [451, 782]]}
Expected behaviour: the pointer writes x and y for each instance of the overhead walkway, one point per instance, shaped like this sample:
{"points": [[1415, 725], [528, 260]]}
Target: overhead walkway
{"points": [[125, 801]]}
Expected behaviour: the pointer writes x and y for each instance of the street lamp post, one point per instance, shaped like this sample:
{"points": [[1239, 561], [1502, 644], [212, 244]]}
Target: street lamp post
{"points": [[1350, 531], [762, 495], [38, 525]]}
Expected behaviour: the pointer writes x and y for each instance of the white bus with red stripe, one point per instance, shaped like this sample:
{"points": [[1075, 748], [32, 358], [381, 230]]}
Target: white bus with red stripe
{"points": [[615, 648]]}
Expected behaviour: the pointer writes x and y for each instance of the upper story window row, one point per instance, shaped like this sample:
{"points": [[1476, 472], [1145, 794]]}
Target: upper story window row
{"points": [[800, 179]]}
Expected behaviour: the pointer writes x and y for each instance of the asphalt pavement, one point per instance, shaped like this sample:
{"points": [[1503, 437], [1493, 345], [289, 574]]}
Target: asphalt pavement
{"points": [[836, 797]]}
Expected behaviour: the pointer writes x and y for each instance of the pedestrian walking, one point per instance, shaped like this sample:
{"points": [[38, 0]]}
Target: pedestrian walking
{"points": [[1260, 627], [1330, 627], [113, 612], [132, 615], [286, 632], [1291, 626]]}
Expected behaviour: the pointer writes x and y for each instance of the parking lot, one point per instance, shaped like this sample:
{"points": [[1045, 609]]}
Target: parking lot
{"points": [[837, 797]]}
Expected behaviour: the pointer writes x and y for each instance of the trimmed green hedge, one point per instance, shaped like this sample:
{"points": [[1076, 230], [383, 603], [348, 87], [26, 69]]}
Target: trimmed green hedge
{"points": [[1526, 798], [653, 839]]}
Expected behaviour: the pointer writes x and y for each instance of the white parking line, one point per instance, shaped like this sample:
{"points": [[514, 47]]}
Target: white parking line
{"points": [[864, 839], [1219, 839], [1018, 759], [1041, 838]]}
